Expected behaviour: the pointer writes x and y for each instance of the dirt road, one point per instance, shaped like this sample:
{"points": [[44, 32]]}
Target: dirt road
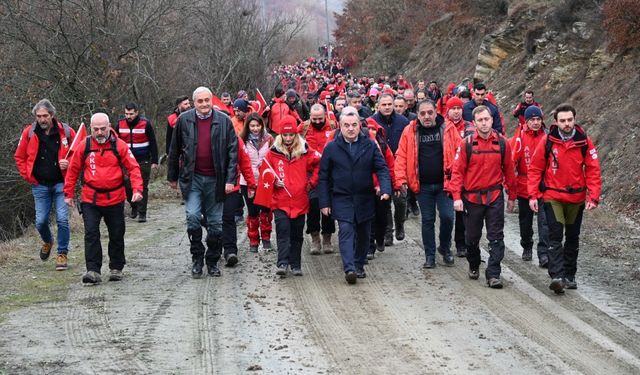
{"points": [[400, 319]]}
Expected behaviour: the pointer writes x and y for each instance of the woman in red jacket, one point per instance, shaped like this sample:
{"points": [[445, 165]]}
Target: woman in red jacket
{"points": [[292, 160]]}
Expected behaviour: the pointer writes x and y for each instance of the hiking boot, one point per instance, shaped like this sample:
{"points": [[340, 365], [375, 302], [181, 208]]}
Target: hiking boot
{"points": [[231, 260], [351, 277], [543, 261], [380, 248], [196, 269], [570, 283], [296, 271], [400, 232], [281, 270], [527, 255], [91, 278], [461, 252], [327, 247], [474, 274], [370, 256], [415, 210], [266, 245], [253, 248], [61, 262], [388, 239], [134, 212], [447, 257], [115, 275], [213, 270], [316, 246], [430, 263], [494, 283], [45, 250], [557, 285], [360, 274], [142, 217]]}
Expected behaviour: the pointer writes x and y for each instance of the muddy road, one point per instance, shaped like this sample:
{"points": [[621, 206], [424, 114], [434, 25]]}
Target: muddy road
{"points": [[400, 319]]}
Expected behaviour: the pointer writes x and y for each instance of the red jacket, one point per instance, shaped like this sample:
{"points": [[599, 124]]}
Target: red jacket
{"points": [[522, 148], [101, 170], [294, 174], [172, 119], [136, 136], [278, 110], [484, 170], [569, 177], [406, 166], [244, 167], [316, 138], [27, 150]]}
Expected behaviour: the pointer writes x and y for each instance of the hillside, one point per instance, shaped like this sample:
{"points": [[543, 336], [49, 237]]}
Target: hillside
{"points": [[557, 49]]}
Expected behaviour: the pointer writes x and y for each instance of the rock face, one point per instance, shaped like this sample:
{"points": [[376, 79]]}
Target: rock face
{"points": [[562, 59]]}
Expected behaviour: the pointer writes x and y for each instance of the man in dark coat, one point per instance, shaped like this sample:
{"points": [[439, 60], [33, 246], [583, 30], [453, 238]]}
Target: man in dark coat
{"points": [[346, 189]]}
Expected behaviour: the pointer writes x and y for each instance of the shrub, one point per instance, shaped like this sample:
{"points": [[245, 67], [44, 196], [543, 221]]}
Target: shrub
{"points": [[622, 22]]}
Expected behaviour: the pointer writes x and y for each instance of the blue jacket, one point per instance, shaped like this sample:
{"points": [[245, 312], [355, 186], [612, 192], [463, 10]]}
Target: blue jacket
{"points": [[346, 181], [495, 113], [393, 128]]}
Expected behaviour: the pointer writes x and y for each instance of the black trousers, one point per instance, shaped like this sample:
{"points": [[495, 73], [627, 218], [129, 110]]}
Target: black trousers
{"points": [[525, 219], [289, 237], [459, 231], [114, 219], [476, 215], [252, 209], [563, 259], [378, 224], [145, 170], [399, 212], [229, 228], [315, 219]]}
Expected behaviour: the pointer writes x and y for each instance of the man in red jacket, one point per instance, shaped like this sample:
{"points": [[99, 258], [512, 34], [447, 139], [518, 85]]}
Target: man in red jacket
{"points": [[565, 173], [104, 161], [41, 159], [527, 101], [482, 164], [524, 144]]}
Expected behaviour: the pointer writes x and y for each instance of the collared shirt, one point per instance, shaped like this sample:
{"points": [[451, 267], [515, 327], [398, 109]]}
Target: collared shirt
{"points": [[205, 116]]}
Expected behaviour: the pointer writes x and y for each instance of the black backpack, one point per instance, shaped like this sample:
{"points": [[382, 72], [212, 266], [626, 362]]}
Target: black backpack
{"points": [[469, 143]]}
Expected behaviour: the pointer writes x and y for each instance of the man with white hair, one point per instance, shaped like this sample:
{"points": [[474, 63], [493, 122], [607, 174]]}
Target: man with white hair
{"points": [[203, 159], [105, 162], [346, 189]]}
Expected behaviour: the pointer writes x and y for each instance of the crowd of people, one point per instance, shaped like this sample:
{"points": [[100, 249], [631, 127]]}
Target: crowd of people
{"points": [[329, 150]]}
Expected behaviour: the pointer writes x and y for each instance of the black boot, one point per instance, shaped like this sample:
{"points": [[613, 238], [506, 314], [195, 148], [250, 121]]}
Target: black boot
{"points": [[214, 251], [197, 252], [399, 231]]}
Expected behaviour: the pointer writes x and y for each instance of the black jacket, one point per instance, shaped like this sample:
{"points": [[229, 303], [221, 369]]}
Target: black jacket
{"points": [[182, 153]]}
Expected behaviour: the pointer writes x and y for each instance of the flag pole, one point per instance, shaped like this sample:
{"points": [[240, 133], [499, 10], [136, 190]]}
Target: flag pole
{"points": [[74, 140]]}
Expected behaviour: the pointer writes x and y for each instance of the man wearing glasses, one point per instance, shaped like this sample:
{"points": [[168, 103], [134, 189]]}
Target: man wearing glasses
{"points": [[346, 189]]}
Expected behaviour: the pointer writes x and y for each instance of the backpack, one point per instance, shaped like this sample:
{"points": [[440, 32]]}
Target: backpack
{"points": [[469, 147], [67, 131], [306, 124]]}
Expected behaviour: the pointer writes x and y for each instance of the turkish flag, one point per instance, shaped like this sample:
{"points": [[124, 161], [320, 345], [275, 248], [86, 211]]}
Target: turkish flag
{"points": [[219, 105], [260, 103], [330, 115], [81, 135], [266, 180]]}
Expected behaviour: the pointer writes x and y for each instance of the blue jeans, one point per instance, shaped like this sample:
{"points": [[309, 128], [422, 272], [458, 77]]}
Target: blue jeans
{"points": [[430, 197], [201, 199], [44, 196]]}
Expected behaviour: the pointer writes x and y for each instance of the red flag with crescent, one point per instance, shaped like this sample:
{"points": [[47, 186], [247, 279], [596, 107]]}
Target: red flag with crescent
{"points": [[260, 103], [219, 105], [266, 180]]}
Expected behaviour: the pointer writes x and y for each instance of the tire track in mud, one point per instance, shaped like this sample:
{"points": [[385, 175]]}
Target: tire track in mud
{"points": [[544, 320]]}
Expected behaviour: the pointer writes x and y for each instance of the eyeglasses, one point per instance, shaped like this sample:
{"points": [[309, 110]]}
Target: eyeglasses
{"points": [[424, 113]]}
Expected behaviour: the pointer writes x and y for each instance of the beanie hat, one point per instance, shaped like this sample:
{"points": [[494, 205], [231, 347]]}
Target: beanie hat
{"points": [[324, 95], [241, 104], [532, 111], [454, 102], [242, 94], [373, 91], [291, 93], [288, 124]]}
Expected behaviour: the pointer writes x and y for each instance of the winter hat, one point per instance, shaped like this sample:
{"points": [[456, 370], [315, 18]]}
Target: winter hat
{"points": [[291, 93], [324, 95], [241, 104], [373, 92], [532, 111], [242, 94], [454, 102], [288, 124]]}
